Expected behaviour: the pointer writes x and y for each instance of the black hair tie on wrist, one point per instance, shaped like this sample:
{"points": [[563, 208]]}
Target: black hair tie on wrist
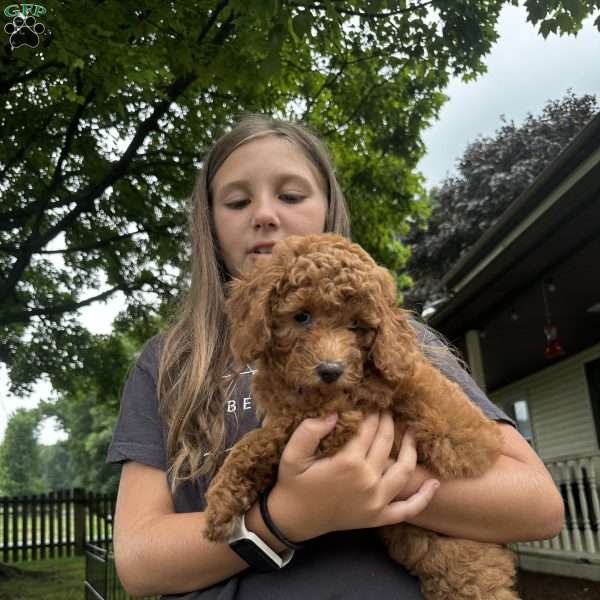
{"points": [[271, 526]]}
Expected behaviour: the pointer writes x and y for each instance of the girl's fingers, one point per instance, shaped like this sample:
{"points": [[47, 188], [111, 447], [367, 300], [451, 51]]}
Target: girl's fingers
{"points": [[383, 441], [362, 441], [390, 462], [303, 443], [399, 473], [404, 510]]}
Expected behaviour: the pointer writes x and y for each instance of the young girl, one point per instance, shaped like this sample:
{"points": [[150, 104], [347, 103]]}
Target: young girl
{"points": [[182, 409]]}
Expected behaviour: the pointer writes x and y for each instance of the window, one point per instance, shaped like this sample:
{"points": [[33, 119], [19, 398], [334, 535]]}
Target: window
{"points": [[592, 375], [520, 413]]}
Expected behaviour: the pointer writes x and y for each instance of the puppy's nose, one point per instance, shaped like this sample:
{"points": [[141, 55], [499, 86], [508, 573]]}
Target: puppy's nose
{"points": [[330, 371]]}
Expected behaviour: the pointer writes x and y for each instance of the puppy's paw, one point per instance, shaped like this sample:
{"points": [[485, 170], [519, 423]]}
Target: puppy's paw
{"points": [[219, 527]]}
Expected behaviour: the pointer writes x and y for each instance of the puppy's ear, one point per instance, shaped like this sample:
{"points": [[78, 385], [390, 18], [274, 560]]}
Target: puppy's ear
{"points": [[248, 308], [394, 349]]}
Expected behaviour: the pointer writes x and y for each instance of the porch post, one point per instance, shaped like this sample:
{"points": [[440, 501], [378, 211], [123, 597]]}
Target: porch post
{"points": [[475, 358]]}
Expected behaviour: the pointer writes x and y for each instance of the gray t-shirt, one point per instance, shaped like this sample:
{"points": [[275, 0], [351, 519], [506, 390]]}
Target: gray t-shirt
{"points": [[352, 565]]}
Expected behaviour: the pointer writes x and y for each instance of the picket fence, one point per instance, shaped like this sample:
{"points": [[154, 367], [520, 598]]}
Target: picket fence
{"points": [[52, 525]]}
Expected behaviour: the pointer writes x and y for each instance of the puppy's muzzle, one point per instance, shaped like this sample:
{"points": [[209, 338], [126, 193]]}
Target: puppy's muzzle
{"points": [[330, 371]]}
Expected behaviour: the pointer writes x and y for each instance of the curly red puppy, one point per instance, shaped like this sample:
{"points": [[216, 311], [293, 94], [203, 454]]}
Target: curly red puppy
{"points": [[321, 322]]}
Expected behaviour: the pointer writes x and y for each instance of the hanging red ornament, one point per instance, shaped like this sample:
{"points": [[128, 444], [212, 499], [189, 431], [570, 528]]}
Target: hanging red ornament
{"points": [[554, 347]]}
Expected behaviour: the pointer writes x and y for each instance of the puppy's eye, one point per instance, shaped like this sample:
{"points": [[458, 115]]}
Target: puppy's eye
{"points": [[302, 317], [355, 325]]}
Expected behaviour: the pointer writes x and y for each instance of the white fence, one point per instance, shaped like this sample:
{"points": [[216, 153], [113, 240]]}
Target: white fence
{"points": [[577, 477]]}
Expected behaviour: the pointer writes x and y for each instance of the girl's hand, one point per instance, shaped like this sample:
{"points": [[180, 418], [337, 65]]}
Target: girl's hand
{"points": [[353, 489]]}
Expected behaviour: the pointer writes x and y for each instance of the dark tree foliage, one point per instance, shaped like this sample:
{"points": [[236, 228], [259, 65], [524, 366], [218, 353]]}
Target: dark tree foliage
{"points": [[490, 175]]}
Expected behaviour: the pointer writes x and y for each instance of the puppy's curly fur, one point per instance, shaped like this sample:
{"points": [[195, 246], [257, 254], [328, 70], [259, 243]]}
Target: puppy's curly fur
{"points": [[321, 321]]}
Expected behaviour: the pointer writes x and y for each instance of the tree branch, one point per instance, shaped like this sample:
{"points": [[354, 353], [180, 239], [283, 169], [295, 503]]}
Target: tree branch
{"points": [[14, 250], [104, 242], [8, 83], [39, 206], [19, 216], [24, 316], [84, 200], [378, 15], [356, 109], [35, 238], [23, 148], [174, 154], [70, 134], [329, 81], [140, 166]]}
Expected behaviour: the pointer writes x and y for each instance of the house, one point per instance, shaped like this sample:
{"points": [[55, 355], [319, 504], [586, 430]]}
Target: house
{"points": [[524, 309]]}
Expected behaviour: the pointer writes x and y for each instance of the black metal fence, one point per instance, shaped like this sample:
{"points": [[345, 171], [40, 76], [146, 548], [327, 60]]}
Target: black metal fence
{"points": [[64, 523], [101, 580]]}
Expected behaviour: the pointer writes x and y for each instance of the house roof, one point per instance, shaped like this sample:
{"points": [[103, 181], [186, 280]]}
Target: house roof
{"points": [[580, 155], [550, 231]]}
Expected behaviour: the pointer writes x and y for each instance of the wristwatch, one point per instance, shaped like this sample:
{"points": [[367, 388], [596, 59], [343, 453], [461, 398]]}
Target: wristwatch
{"points": [[256, 552]]}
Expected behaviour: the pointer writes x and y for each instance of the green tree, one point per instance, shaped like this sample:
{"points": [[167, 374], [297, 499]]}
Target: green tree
{"points": [[87, 404], [104, 123], [563, 17], [55, 466], [492, 172], [19, 455]]}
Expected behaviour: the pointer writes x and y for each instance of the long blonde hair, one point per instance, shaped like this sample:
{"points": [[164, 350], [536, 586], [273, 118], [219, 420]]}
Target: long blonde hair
{"points": [[195, 351]]}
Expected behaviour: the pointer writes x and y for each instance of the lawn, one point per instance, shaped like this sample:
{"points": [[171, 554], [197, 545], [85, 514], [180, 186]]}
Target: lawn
{"points": [[52, 579]]}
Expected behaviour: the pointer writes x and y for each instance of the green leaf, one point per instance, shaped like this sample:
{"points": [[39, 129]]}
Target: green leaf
{"points": [[76, 64], [536, 10], [302, 23], [266, 9], [545, 29], [271, 65], [576, 8], [72, 96], [564, 22]]}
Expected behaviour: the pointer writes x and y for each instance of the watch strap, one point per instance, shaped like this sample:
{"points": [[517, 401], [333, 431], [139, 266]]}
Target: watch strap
{"points": [[255, 551]]}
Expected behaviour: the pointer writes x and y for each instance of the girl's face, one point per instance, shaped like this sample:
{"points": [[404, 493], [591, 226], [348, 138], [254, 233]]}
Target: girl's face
{"points": [[265, 191]]}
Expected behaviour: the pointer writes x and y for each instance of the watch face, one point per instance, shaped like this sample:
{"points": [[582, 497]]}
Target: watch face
{"points": [[253, 555]]}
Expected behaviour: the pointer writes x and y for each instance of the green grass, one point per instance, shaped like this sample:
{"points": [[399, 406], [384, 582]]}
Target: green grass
{"points": [[52, 579]]}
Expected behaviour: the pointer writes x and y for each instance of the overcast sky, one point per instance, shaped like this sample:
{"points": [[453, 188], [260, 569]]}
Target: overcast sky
{"points": [[524, 71]]}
